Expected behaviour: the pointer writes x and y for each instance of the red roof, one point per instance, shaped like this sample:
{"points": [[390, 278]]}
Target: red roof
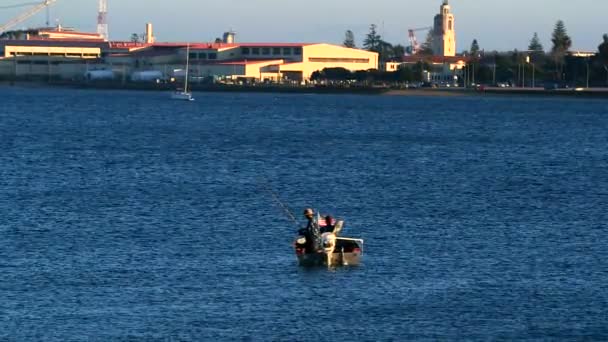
{"points": [[130, 45], [275, 44], [239, 61], [126, 45], [434, 59], [216, 46], [56, 43]]}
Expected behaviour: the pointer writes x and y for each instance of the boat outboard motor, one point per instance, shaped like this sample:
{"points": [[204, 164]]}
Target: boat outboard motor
{"points": [[328, 241]]}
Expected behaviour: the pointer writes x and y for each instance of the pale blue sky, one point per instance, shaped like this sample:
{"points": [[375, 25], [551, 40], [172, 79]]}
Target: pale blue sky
{"points": [[501, 25]]}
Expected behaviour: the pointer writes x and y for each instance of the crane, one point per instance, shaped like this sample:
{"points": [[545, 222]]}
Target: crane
{"points": [[38, 6], [414, 45], [102, 19]]}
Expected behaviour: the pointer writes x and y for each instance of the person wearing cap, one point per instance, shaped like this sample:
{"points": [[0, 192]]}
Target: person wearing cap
{"points": [[309, 214], [308, 232]]}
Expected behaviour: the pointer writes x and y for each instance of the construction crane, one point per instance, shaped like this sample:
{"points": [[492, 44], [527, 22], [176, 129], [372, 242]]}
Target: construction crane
{"points": [[38, 6], [102, 19], [414, 47]]}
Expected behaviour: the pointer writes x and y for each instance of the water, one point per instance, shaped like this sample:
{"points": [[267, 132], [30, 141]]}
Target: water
{"points": [[127, 216]]}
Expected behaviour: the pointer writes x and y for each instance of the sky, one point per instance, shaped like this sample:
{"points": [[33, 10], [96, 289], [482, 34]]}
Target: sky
{"points": [[497, 25]]}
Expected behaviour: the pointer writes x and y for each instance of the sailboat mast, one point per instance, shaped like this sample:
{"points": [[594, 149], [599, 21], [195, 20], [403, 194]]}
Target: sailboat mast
{"points": [[187, 67]]}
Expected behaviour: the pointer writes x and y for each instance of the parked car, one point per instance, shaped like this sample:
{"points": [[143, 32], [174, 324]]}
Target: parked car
{"points": [[556, 85]]}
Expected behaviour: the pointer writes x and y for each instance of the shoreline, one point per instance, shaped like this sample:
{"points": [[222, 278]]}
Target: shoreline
{"points": [[361, 90]]}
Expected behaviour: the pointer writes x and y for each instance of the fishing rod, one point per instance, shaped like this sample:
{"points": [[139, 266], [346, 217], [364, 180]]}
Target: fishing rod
{"points": [[278, 201]]}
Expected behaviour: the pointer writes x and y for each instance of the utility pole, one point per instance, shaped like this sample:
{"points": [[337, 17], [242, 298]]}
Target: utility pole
{"points": [[587, 60], [527, 62], [533, 76]]}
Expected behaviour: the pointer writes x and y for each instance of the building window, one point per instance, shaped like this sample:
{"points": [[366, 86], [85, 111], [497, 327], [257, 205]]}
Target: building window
{"points": [[276, 51], [287, 51], [246, 51], [297, 51], [255, 51], [202, 55], [193, 55], [212, 55], [338, 60], [265, 51]]}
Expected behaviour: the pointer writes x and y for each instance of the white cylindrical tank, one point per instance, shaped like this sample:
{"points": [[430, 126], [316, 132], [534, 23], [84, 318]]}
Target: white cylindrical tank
{"points": [[229, 37], [147, 76], [149, 34], [99, 75]]}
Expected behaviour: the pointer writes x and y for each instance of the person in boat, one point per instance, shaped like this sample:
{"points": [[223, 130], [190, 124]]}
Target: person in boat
{"points": [[308, 232], [329, 225], [309, 214]]}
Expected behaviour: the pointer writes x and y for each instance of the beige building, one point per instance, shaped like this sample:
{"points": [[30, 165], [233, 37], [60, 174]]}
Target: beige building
{"points": [[444, 34], [47, 59], [70, 58], [275, 61]]}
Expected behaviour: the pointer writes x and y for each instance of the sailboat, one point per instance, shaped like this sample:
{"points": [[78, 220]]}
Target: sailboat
{"points": [[184, 95]]}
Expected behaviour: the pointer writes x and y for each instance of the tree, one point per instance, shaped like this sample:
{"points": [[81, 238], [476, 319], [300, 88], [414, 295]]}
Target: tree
{"points": [[426, 49], [561, 45], [474, 49], [535, 44], [349, 40], [404, 74], [372, 40], [536, 49], [385, 50], [134, 38], [332, 74], [603, 55], [418, 71], [398, 52]]}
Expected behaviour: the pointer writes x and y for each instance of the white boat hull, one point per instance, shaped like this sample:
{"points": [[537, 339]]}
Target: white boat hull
{"points": [[342, 252], [182, 96]]}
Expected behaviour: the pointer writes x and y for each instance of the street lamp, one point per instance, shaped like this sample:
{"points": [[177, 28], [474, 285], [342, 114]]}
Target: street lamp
{"points": [[587, 60], [533, 71], [523, 71]]}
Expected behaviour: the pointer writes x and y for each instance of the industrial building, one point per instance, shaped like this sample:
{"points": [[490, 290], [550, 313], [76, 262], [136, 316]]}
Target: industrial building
{"points": [[70, 58], [64, 53]]}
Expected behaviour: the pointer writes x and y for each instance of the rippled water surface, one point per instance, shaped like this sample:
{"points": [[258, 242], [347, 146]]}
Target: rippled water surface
{"points": [[127, 216]]}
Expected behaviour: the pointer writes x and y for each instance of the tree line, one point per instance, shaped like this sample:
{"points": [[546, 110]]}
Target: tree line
{"points": [[518, 68]]}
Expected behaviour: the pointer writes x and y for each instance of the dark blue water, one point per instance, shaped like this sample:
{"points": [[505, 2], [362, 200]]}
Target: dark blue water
{"points": [[127, 216]]}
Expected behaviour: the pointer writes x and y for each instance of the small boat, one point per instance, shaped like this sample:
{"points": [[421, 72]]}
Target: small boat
{"points": [[184, 95], [328, 249]]}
